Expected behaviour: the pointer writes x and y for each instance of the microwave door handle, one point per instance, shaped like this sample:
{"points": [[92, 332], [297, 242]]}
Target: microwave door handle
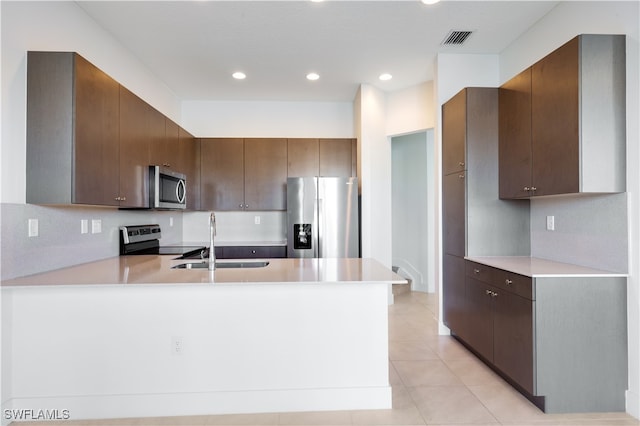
{"points": [[179, 196]]}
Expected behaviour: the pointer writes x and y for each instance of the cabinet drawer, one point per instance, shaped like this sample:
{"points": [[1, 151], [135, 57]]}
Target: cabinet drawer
{"points": [[514, 283], [479, 272], [504, 280]]}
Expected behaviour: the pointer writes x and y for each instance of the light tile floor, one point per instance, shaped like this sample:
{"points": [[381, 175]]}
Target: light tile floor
{"points": [[435, 381]]}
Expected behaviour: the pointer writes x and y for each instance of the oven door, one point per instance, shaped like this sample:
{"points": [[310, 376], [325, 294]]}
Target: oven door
{"points": [[167, 189]]}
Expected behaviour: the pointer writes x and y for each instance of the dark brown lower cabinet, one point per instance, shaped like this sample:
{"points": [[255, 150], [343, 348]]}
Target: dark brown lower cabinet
{"points": [[559, 339], [251, 252], [453, 295], [513, 337], [500, 321]]}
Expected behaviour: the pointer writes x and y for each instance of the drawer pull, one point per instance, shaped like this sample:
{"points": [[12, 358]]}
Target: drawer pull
{"points": [[476, 271], [508, 281], [488, 292], [494, 294]]}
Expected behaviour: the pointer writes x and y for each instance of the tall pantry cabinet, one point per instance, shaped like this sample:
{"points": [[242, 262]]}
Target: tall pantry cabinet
{"points": [[475, 221]]}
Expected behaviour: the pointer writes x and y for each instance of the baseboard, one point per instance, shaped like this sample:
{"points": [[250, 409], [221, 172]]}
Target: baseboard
{"points": [[202, 403], [633, 404]]}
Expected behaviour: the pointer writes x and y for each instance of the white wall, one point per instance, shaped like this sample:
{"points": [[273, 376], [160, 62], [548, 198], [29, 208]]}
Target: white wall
{"points": [[375, 152], [610, 213], [411, 109], [269, 119]]}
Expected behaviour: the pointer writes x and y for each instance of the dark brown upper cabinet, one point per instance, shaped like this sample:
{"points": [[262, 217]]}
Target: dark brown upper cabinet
{"points": [[265, 174], [72, 131], [222, 174], [189, 164], [322, 157], [243, 174], [137, 121], [303, 157], [336, 157], [454, 125], [562, 122]]}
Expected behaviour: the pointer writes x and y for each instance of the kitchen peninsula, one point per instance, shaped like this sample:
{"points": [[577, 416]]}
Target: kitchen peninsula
{"points": [[132, 337]]}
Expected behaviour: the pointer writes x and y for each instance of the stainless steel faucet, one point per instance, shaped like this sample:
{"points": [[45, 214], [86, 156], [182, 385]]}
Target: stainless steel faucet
{"points": [[212, 233]]}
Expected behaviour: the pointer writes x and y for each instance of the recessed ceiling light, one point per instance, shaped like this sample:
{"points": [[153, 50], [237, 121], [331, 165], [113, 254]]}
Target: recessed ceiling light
{"points": [[312, 76], [430, 1], [238, 75], [385, 77]]}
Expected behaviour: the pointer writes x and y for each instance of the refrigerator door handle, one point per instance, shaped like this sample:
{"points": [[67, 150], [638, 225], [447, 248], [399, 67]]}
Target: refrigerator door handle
{"points": [[320, 222]]}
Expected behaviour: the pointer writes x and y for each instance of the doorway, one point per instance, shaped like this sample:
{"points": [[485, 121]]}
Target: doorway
{"points": [[413, 197]]}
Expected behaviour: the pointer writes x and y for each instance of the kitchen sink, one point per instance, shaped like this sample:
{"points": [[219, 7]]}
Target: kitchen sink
{"points": [[221, 265]]}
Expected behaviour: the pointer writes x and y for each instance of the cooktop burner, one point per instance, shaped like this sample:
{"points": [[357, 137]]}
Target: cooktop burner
{"points": [[145, 239]]}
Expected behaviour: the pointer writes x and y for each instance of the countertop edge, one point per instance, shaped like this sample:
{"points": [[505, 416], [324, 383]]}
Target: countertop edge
{"points": [[534, 267]]}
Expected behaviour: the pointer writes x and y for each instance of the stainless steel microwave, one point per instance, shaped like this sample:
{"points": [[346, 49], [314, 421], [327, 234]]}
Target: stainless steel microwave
{"points": [[167, 188]]}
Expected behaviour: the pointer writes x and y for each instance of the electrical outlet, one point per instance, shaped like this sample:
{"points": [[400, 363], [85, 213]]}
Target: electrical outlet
{"points": [[84, 226], [33, 227], [170, 220], [96, 226], [551, 223], [177, 345], [256, 220]]}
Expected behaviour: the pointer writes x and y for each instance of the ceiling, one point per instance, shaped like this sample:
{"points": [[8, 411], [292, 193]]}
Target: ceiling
{"points": [[195, 46]]}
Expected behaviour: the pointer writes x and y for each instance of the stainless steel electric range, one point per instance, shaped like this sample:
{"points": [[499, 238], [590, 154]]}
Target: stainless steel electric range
{"points": [[145, 239]]}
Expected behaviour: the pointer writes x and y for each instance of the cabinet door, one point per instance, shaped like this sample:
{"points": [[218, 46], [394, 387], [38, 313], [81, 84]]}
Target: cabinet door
{"points": [[135, 121], [454, 133], [513, 338], [335, 157], [453, 295], [454, 215], [221, 174], [190, 165], [515, 136], [480, 317], [164, 145], [555, 121], [96, 149], [303, 157], [265, 174]]}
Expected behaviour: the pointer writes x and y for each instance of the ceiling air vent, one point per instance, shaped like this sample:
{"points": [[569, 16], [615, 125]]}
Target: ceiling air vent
{"points": [[456, 38]]}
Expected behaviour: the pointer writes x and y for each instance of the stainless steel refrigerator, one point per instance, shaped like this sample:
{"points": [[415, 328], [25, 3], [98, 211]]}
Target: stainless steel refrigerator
{"points": [[322, 217]]}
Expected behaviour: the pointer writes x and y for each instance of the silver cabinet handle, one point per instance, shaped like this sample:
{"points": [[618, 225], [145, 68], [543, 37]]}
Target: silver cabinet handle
{"points": [[476, 271], [461, 163], [526, 188], [488, 292], [533, 188], [494, 294], [461, 176], [508, 281]]}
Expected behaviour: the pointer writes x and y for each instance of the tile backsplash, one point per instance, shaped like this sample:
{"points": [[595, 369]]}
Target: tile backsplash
{"points": [[590, 230]]}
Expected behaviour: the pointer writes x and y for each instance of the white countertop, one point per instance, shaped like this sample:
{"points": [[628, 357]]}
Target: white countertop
{"points": [[153, 269], [535, 267]]}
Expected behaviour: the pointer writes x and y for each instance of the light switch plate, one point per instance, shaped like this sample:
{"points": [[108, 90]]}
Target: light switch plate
{"points": [[33, 228], [551, 223], [256, 220], [84, 226], [96, 226]]}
